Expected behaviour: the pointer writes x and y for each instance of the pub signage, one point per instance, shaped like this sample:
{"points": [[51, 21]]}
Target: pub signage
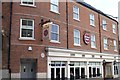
{"points": [[86, 38]]}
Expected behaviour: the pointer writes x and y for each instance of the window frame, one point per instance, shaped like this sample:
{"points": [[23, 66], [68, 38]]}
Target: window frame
{"points": [[76, 13], [51, 40], [93, 40], [114, 28], [28, 4], [92, 19], [105, 43], [104, 24], [78, 37], [55, 5], [21, 26], [115, 45]]}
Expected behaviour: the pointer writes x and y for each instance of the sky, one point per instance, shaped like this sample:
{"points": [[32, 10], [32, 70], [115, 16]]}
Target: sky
{"points": [[107, 6]]}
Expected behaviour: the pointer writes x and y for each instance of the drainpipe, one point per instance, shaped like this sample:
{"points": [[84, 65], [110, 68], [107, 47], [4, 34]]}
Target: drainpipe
{"points": [[67, 23], [99, 32], [10, 39]]}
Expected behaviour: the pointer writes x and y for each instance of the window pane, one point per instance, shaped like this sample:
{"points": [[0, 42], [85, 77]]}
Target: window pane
{"points": [[104, 24], [114, 28], [54, 5], [55, 2], [76, 37], [76, 40], [75, 12], [27, 28], [76, 33], [54, 32], [54, 29], [28, 2], [54, 36], [91, 19], [75, 16], [24, 22], [26, 33], [54, 8], [75, 9], [30, 23], [93, 45], [115, 45]]}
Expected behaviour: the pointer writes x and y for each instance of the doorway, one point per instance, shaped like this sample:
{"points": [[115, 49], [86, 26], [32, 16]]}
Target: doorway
{"points": [[77, 72], [28, 68], [58, 73], [82, 72]]}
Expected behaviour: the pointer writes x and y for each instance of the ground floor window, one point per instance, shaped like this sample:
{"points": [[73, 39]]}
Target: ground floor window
{"points": [[75, 69], [78, 70], [94, 69], [58, 69]]}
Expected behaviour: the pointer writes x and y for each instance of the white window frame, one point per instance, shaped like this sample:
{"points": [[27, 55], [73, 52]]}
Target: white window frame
{"points": [[104, 24], [54, 41], [54, 3], [93, 41], [105, 43], [114, 28], [92, 20], [78, 37], [76, 13], [21, 26], [115, 45], [27, 4]]}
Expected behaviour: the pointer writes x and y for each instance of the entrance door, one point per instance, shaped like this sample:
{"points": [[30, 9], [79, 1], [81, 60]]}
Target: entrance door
{"points": [[71, 73], [82, 72], [108, 71], [52, 73], [94, 72], [63, 73], [90, 72], [28, 69], [57, 73], [77, 73]]}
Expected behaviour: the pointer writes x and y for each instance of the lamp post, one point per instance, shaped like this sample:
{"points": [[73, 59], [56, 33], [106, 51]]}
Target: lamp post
{"points": [[104, 63]]}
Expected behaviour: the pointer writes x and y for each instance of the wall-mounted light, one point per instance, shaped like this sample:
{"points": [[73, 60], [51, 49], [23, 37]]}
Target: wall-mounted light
{"points": [[29, 48], [104, 62], [114, 62]]}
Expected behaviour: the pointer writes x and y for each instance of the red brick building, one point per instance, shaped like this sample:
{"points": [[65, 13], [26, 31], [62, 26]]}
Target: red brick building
{"points": [[56, 39]]}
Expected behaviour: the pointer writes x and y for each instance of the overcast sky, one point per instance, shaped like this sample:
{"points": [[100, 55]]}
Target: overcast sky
{"points": [[107, 6]]}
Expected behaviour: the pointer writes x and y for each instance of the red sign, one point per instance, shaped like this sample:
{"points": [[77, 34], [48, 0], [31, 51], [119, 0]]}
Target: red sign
{"points": [[45, 32], [87, 38]]}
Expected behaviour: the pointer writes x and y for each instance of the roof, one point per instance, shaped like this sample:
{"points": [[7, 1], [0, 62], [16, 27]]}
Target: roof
{"points": [[96, 10]]}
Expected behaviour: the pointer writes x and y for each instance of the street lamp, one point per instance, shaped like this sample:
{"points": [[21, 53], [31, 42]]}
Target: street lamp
{"points": [[104, 63]]}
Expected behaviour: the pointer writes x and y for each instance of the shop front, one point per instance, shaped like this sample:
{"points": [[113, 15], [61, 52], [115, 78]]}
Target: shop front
{"points": [[61, 64]]}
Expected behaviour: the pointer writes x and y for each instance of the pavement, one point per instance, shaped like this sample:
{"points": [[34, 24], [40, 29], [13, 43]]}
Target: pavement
{"points": [[101, 79]]}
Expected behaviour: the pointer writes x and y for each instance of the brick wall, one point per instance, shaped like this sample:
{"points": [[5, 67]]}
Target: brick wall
{"points": [[5, 28], [19, 48]]}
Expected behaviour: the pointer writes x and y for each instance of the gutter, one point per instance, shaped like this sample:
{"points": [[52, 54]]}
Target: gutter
{"points": [[67, 23], [10, 39], [99, 32]]}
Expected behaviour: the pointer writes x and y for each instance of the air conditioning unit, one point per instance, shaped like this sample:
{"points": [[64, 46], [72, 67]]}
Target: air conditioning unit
{"points": [[46, 30]]}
